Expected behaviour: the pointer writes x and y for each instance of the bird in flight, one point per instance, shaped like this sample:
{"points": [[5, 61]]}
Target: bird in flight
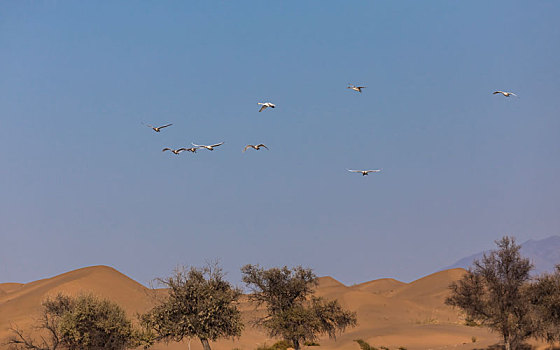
{"points": [[158, 128], [208, 147], [505, 93], [174, 151], [257, 147], [264, 105], [364, 172], [356, 88], [192, 149]]}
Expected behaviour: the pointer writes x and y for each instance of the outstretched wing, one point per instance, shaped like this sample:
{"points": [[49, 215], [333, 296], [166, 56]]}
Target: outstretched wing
{"points": [[197, 146], [181, 149], [354, 171], [373, 171], [166, 149], [497, 92], [247, 147], [217, 144], [164, 126], [511, 93], [262, 107], [262, 145]]}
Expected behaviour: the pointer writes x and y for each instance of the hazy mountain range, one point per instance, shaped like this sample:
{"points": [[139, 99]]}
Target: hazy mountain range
{"points": [[544, 254]]}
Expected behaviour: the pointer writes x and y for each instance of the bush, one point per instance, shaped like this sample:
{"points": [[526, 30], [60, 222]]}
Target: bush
{"points": [[469, 322], [280, 345], [311, 343], [364, 345], [83, 322]]}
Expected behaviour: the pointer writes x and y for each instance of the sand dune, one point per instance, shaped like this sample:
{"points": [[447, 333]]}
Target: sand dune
{"points": [[21, 301], [383, 286], [390, 313]]}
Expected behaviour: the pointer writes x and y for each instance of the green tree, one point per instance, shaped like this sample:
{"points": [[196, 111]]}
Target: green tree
{"points": [[84, 322], [544, 296], [493, 292], [292, 312], [200, 304]]}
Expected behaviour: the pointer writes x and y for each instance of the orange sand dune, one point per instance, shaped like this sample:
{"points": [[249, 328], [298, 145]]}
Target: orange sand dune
{"points": [[24, 300], [381, 286], [390, 313]]}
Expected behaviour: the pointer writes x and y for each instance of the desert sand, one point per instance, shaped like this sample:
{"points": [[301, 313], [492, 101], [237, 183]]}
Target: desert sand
{"points": [[390, 313]]}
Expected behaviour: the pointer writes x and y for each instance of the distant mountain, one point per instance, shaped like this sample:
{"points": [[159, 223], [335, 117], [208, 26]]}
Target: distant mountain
{"points": [[544, 254]]}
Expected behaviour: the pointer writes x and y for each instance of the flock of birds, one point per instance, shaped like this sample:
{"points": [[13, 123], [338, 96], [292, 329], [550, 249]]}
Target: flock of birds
{"points": [[265, 105]]}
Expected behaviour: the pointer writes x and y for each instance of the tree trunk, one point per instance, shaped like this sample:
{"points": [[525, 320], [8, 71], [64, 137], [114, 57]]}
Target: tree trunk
{"points": [[507, 342], [296, 344], [205, 344]]}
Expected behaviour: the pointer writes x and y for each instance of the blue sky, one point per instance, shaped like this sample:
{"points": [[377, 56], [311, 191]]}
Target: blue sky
{"points": [[83, 182]]}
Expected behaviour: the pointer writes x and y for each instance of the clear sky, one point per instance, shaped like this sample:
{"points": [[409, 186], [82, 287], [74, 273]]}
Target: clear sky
{"points": [[83, 182]]}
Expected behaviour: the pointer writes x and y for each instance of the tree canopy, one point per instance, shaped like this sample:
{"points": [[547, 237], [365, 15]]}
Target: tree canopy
{"points": [[200, 304], [492, 292], [544, 296], [83, 322], [292, 313]]}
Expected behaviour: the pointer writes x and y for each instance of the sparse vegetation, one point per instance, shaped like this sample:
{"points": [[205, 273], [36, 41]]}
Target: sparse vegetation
{"points": [[469, 322], [292, 312], [473, 339], [402, 348], [384, 348], [201, 304], [364, 345], [83, 322], [280, 345], [311, 343]]}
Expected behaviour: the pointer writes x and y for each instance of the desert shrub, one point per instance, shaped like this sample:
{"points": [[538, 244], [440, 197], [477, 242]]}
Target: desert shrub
{"points": [[469, 322], [384, 348], [402, 348], [311, 343], [280, 345], [364, 345], [84, 322], [473, 339]]}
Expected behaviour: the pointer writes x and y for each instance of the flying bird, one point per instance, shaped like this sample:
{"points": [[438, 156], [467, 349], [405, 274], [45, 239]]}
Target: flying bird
{"points": [[158, 128], [192, 149], [208, 147], [174, 151], [257, 147], [505, 93], [356, 88], [265, 105], [364, 172]]}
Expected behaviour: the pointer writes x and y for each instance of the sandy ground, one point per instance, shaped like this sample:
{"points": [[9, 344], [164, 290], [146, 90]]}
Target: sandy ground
{"points": [[390, 313]]}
